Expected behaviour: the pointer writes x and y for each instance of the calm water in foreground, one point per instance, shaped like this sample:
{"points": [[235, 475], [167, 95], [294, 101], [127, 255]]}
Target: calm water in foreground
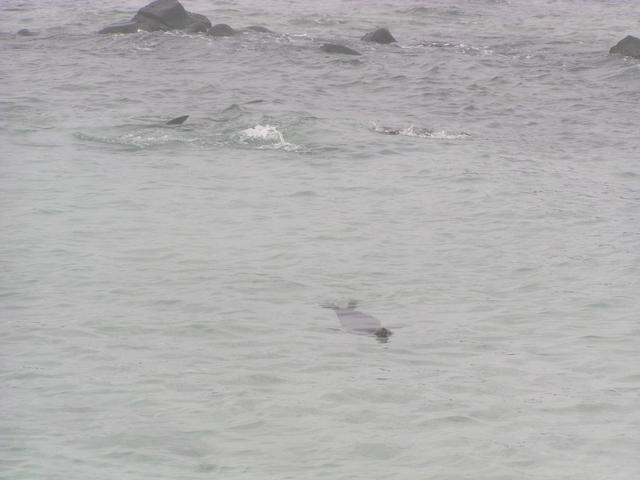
{"points": [[160, 286]]}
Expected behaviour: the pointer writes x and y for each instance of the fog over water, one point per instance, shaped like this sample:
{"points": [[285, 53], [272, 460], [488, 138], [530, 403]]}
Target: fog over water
{"points": [[474, 186]]}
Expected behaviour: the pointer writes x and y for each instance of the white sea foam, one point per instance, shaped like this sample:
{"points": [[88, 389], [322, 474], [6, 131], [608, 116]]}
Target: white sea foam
{"points": [[263, 132], [467, 49], [265, 136]]}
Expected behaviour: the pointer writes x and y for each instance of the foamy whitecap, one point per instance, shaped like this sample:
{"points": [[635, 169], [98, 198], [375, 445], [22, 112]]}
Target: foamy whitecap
{"points": [[263, 132], [449, 136], [466, 49], [265, 136], [412, 131]]}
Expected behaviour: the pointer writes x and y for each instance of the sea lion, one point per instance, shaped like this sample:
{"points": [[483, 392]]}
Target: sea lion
{"points": [[388, 130], [357, 322]]}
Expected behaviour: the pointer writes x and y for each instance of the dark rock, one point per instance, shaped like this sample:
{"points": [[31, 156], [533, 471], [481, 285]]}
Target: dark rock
{"points": [[200, 23], [162, 15], [221, 30], [197, 28], [629, 46], [258, 28], [381, 35], [131, 27], [25, 32], [334, 48], [167, 15]]}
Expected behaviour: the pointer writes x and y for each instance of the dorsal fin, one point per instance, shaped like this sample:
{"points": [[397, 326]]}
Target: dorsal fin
{"points": [[177, 120]]}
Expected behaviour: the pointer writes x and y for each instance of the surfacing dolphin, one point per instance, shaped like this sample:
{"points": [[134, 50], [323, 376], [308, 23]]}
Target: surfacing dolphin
{"points": [[357, 322]]}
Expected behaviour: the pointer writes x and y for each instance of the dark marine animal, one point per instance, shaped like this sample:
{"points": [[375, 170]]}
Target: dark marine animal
{"points": [[357, 322], [177, 120]]}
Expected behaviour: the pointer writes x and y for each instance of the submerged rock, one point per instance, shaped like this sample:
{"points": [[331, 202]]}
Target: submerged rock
{"points": [[259, 29], [162, 15], [130, 27], [629, 46], [381, 35], [221, 30], [335, 48], [25, 32]]}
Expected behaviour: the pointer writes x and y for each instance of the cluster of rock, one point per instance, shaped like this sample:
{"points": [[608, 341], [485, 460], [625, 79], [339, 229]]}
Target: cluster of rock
{"points": [[165, 15], [381, 35]]}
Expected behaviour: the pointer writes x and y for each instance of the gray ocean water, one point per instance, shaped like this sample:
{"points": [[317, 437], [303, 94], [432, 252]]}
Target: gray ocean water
{"points": [[160, 286]]}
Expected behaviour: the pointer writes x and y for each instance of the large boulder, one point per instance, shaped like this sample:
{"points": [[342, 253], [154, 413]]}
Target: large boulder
{"points": [[162, 15], [166, 15], [381, 35], [629, 46]]}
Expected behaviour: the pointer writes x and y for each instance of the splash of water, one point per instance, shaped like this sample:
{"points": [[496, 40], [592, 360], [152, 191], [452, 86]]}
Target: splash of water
{"points": [[265, 136]]}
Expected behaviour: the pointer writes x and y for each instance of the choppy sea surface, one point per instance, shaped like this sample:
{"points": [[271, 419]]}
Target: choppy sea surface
{"points": [[475, 186]]}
